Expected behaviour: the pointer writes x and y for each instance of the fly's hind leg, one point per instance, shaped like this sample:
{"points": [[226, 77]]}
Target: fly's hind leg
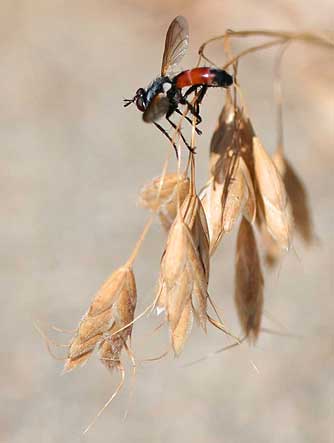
{"points": [[180, 132], [165, 133], [194, 109], [198, 131]]}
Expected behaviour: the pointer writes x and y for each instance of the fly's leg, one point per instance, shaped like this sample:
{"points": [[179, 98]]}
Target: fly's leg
{"points": [[194, 109], [198, 131], [182, 136], [168, 136]]}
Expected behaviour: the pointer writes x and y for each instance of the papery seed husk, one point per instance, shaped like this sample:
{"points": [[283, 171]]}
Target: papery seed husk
{"points": [[175, 256], [123, 309], [199, 300], [189, 210], [110, 351], [279, 161], [180, 334], [298, 198], [222, 137], [164, 199], [194, 218], [92, 325], [80, 351], [271, 187], [71, 364], [162, 190], [178, 296], [248, 281], [212, 204], [249, 209], [246, 135], [272, 250], [161, 303], [79, 347], [114, 302], [108, 293], [200, 234], [235, 197]]}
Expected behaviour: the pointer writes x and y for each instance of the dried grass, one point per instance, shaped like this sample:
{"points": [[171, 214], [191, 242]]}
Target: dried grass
{"points": [[248, 281], [244, 182]]}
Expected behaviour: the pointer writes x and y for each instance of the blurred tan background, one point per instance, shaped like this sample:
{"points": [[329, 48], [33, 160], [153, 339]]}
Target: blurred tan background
{"points": [[72, 162]]}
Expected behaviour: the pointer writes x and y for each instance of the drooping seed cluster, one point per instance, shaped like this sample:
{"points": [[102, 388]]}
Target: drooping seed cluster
{"points": [[111, 310], [247, 186]]}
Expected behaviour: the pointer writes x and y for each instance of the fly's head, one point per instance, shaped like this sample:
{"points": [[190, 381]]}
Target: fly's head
{"points": [[140, 99]]}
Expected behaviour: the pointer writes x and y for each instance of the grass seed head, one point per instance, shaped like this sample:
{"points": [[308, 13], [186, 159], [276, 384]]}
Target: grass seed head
{"points": [[212, 203], [298, 198], [161, 194], [249, 208], [248, 281], [180, 333], [114, 304], [272, 251], [235, 196], [184, 272], [222, 137], [277, 211]]}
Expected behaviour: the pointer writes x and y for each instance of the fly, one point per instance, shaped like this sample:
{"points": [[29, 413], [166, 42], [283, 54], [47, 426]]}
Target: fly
{"points": [[164, 95]]}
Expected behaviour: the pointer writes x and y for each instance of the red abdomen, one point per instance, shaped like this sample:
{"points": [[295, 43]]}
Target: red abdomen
{"points": [[203, 76]]}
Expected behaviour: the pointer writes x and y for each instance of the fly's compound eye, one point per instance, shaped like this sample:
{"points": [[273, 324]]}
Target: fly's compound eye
{"points": [[140, 101]]}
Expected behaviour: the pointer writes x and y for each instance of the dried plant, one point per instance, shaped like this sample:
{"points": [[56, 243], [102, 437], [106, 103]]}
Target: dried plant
{"points": [[184, 274], [245, 183], [248, 281], [112, 308]]}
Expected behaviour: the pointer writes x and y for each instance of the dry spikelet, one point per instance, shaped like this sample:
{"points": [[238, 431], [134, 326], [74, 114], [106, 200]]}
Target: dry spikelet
{"points": [[160, 195], [183, 328], [200, 234], [235, 196], [239, 195], [113, 305], [222, 136], [194, 217], [249, 209], [298, 198], [272, 250], [183, 276], [273, 195], [212, 203], [248, 281], [230, 191]]}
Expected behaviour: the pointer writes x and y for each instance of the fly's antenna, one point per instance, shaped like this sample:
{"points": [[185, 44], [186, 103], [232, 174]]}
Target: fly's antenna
{"points": [[128, 101]]}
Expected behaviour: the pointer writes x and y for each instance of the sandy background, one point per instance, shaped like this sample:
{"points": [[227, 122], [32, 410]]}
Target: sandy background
{"points": [[72, 162]]}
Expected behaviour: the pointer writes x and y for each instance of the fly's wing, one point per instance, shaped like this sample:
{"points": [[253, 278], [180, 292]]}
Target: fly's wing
{"points": [[176, 44], [156, 109]]}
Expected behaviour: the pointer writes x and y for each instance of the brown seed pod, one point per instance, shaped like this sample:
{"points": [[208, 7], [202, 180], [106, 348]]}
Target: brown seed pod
{"points": [[181, 332], [211, 200], [248, 281], [161, 194], [249, 208], [277, 212], [298, 198], [235, 195], [183, 278], [112, 306], [222, 137], [272, 250]]}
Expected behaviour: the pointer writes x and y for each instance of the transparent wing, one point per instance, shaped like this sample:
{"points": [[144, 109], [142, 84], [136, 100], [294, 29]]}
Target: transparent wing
{"points": [[176, 44], [156, 109]]}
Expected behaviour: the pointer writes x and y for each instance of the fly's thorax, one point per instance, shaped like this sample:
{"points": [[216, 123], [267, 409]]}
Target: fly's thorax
{"points": [[160, 85]]}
